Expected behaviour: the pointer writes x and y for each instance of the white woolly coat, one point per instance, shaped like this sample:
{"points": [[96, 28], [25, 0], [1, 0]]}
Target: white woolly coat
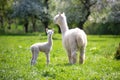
{"points": [[43, 47], [74, 39]]}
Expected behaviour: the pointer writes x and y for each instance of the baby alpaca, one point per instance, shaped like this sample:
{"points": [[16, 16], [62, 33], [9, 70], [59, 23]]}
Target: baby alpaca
{"points": [[43, 47], [73, 39]]}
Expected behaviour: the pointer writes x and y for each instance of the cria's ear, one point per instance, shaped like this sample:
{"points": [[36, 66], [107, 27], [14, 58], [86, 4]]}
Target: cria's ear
{"points": [[53, 30], [46, 29]]}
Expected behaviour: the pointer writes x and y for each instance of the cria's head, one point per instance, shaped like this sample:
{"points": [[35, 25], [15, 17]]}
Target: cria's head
{"points": [[49, 31], [59, 18]]}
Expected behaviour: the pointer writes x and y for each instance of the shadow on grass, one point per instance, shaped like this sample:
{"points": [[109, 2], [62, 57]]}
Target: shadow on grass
{"points": [[42, 36], [97, 40], [19, 34], [109, 36], [66, 64], [23, 34], [54, 38]]}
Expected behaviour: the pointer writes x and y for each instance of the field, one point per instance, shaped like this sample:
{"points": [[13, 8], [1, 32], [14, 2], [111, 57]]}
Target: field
{"points": [[100, 64]]}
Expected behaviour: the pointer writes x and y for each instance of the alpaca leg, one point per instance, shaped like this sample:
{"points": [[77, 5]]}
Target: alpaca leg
{"points": [[48, 58], [73, 52], [34, 56], [69, 56], [82, 55], [74, 57], [32, 60]]}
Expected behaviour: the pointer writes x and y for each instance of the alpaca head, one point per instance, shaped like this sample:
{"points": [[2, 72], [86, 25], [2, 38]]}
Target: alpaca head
{"points": [[60, 18], [49, 32]]}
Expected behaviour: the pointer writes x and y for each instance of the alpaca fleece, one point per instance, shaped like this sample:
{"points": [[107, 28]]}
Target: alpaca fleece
{"points": [[42, 47], [73, 39]]}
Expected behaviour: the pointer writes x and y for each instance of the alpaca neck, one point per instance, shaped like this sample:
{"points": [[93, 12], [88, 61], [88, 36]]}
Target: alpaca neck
{"points": [[50, 39], [63, 27]]}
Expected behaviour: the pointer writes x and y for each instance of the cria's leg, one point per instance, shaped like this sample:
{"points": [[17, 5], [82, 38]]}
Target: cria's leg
{"points": [[82, 55], [34, 56], [47, 57]]}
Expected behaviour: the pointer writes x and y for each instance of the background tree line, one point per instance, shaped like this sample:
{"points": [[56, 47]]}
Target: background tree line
{"points": [[94, 16]]}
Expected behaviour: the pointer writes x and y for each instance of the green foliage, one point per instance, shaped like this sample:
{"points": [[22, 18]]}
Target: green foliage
{"points": [[31, 11], [102, 28], [27, 8], [114, 15], [30, 8], [15, 59]]}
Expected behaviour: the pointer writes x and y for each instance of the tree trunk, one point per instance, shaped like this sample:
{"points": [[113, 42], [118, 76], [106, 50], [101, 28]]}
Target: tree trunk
{"points": [[86, 11], [46, 22], [2, 22], [80, 25], [46, 4], [34, 24], [26, 25], [46, 26], [9, 23]]}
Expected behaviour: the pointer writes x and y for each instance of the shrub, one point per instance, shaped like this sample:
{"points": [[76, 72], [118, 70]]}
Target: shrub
{"points": [[117, 54]]}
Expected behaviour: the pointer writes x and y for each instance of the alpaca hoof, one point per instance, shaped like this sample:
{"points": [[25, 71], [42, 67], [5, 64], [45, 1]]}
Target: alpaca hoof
{"points": [[32, 62], [72, 63], [47, 64], [81, 62]]}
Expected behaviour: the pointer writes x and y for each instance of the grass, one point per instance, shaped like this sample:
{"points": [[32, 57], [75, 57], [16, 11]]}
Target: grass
{"points": [[100, 64]]}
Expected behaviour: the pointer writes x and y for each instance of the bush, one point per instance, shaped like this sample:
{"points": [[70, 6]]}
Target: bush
{"points": [[117, 54]]}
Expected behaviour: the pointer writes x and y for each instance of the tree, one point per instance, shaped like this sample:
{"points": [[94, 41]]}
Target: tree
{"points": [[5, 10], [77, 11], [86, 11], [2, 11], [104, 17], [46, 16], [29, 10]]}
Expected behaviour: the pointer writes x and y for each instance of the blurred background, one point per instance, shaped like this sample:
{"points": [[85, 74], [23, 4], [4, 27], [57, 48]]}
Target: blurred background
{"points": [[32, 16]]}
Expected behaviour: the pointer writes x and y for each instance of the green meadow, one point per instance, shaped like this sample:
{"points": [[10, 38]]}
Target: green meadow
{"points": [[15, 56]]}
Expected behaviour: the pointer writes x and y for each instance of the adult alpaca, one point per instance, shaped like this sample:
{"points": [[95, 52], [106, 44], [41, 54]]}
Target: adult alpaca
{"points": [[73, 39], [42, 47]]}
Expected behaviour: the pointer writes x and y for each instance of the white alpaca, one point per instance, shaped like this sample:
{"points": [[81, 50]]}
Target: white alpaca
{"points": [[43, 47], [73, 39]]}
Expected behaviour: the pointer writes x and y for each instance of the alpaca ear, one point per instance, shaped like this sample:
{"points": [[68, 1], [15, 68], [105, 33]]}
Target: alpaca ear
{"points": [[63, 13], [59, 13]]}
